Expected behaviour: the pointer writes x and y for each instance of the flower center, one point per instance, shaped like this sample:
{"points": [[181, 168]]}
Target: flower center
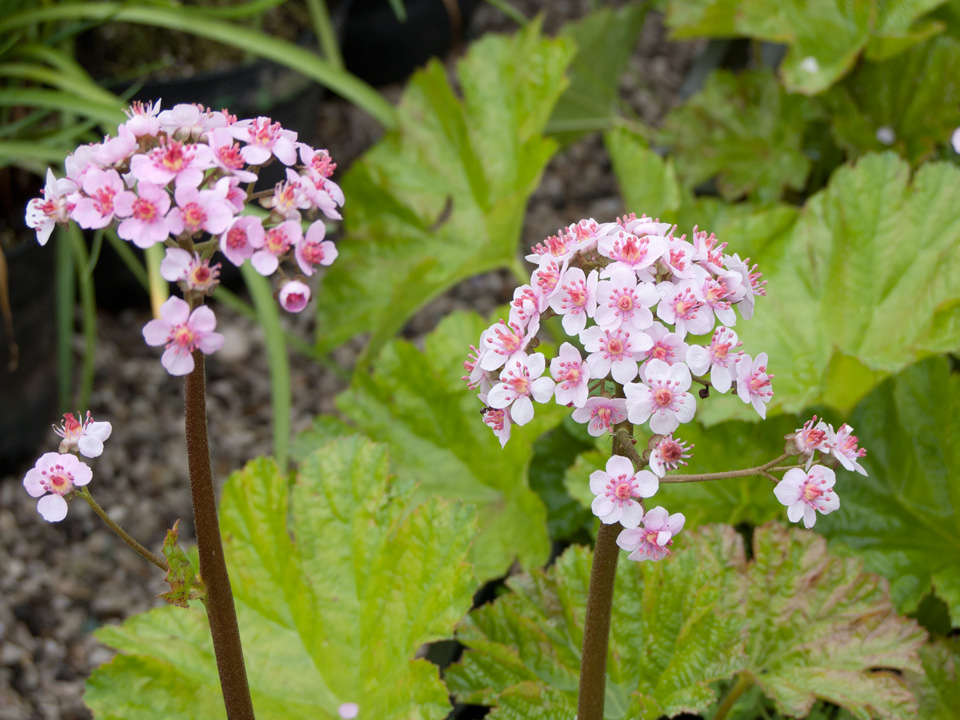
{"points": [[670, 451], [277, 242], [625, 303], [237, 238], [624, 490], [184, 337], [720, 350], [312, 253], [663, 397], [630, 251], [173, 157], [144, 210], [615, 346], [230, 156], [811, 492], [194, 216], [660, 352], [103, 199]]}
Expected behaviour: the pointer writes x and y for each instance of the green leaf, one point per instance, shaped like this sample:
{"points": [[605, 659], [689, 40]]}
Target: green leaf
{"points": [[416, 403], [553, 454], [824, 37], [903, 519], [843, 296], [799, 623], [604, 39], [181, 575], [648, 182], [819, 627], [938, 686], [915, 97], [663, 655], [338, 583], [745, 131], [442, 197]]}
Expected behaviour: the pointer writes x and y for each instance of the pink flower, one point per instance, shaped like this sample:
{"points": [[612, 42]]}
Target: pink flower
{"points": [[243, 236], [294, 296], [182, 332], [668, 454], [143, 119], [477, 377], [96, 208], [717, 293], [194, 273], [497, 420], [188, 121], [844, 449], [651, 542], [751, 285], [54, 207], [615, 489], [519, 381], [226, 155], [682, 305], [572, 376], [807, 440], [277, 243], [803, 492], [348, 711], [678, 258], [621, 302], [667, 346], [57, 474], [201, 210], [265, 139], [501, 341], [525, 305], [322, 192], [614, 352], [576, 299], [173, 160], [87, 436], [288, 198], [602, 413], [633, 252], [753, 382], [313, 250], [145, 213], [546, 280], [663, 399], [116, 151], [706, 251], [718, 357]]}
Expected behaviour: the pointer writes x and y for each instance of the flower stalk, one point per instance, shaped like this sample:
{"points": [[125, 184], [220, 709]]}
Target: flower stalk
{"points": [[221, 611], [157, 560]]}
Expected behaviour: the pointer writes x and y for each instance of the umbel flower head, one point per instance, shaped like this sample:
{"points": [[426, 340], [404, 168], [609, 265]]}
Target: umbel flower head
{"points": [[55, 476], [640, 306], [174, 177]]}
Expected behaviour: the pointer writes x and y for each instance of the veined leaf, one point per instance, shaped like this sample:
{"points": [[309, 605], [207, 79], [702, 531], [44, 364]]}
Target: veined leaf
{"points": [[938, 687], [825, 37], [745, 131], [442, 197], [338, 582], [799, 622], [416, 403]]}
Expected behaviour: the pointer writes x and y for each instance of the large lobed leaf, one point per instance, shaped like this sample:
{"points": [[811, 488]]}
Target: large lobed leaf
{"points": [[847, 304], [825, 37], [338, 583], [745, 131], [416, 403], [904, 519], [800, 623], [442, 197]]}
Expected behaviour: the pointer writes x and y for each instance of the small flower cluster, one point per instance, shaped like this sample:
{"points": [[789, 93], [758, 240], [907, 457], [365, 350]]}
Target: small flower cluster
{"points": [[633, 295], [174, 177], [808, 490], [58, 474]]}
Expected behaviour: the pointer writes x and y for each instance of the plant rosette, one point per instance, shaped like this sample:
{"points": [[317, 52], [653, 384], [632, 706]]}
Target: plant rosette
{"points": [[634, 299]]}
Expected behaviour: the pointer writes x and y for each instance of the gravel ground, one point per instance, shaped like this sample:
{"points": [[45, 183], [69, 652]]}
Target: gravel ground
{"points": [[60, 581]]}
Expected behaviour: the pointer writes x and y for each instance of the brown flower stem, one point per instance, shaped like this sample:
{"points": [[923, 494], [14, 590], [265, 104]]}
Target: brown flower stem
{"points": [[747, 472], [596, 626], [157, 560], [221, 612]]}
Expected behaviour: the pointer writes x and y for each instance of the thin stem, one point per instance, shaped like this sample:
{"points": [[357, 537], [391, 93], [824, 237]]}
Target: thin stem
{"points": [[213, 568], [747, 472], [157, 560], [743, 682], [596, 627]]}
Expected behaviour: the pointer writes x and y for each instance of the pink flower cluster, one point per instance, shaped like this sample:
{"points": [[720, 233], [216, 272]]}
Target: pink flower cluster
{"points": [[650, 313], [184, 177], [58, 474]]}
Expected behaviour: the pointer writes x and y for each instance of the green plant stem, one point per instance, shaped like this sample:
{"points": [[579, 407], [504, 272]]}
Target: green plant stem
{"points": [[157, 560], [88, 307], [746, 472], [326, 37], [743, 682], [596, 626], [221, 612]]}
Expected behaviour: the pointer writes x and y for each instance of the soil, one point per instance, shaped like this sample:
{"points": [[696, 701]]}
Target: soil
{"points": [[58, 582]]}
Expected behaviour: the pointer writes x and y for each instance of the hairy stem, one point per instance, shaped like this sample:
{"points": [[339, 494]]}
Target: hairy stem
{"points": [[743, 682], [157, 560], [221, 612], [747, 472], [596, 627]]}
